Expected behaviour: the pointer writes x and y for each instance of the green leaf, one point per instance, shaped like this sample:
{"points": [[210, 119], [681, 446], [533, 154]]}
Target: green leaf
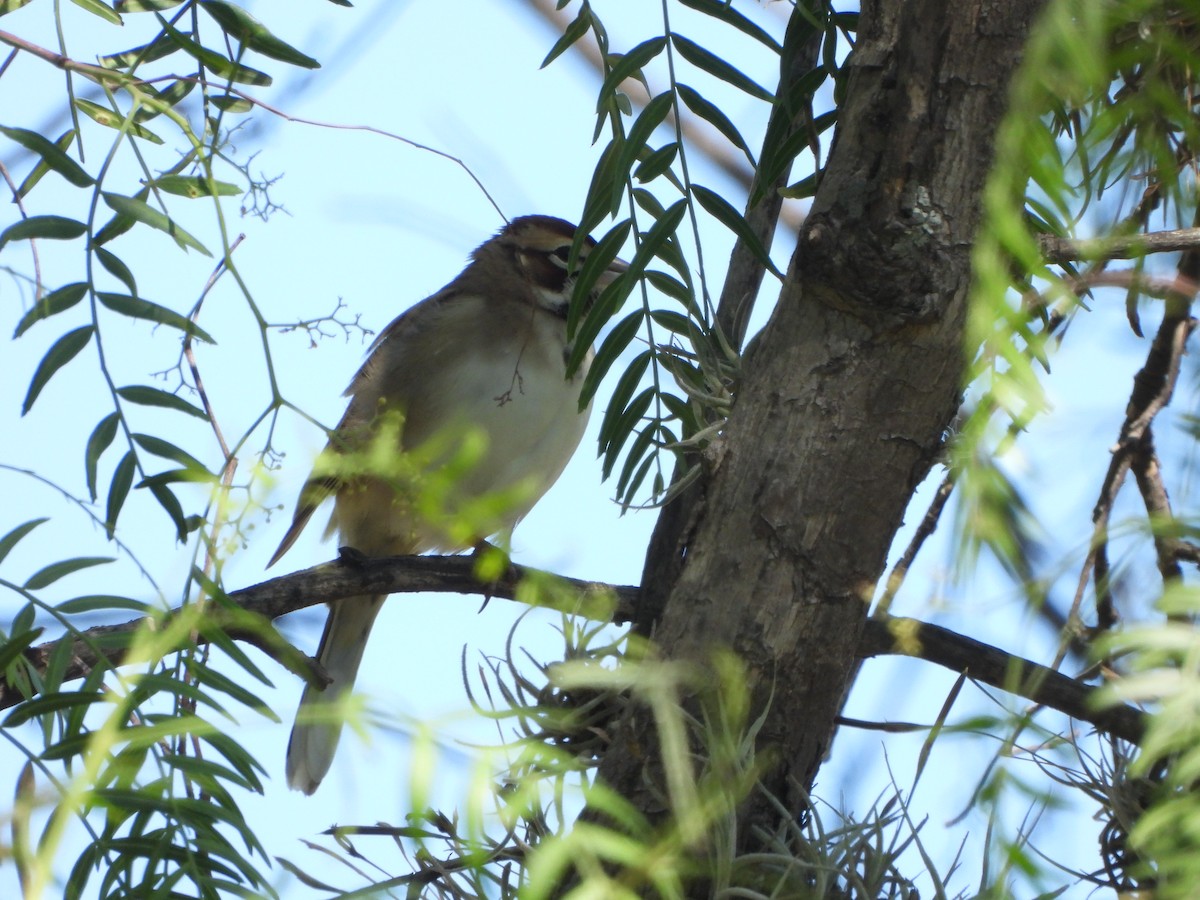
{"points": [[57, 228], [231, 103], [53, 303], [51, 703], [115, 266], [137, 308], [723, 10], [170, 503], [52, 155], [128, 6], [118, 224], [611, 348], [91, 603], [219, 65], [102, 435], [158, 48], [140, 211], [102, 115], [167, 98], [629, 65], [151, 396], [718, 207], [167, 450], [12, 648], [572, 33], [712, 64], [10, 540], [713, 115], [47, 576], [656, 162], [7, 6], [39, 171], [616, 432], [194, 186], [643, 129], [122, 480], [65, 349], [103, 10], [239, 24]]}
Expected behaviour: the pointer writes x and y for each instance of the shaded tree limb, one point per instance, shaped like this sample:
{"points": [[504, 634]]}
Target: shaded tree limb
{"points": [[246, 615], [1060, 250]]}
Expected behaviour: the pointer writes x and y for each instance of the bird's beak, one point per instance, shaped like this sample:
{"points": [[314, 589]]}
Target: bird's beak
{"points": [[615, 269]]}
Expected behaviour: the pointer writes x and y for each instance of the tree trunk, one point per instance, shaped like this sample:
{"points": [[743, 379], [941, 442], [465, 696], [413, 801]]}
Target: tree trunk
{"points": [[847, 393]]}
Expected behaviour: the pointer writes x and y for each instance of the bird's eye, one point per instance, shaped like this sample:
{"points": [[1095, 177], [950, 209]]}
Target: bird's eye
{"points": [[560, 255]]}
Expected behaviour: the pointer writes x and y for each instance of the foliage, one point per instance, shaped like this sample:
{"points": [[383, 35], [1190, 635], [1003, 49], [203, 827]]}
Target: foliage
{"points": [[1100, 141]]}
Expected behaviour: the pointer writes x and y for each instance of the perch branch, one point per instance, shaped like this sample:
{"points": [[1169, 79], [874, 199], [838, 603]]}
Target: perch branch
{"points": [[245, 615]]}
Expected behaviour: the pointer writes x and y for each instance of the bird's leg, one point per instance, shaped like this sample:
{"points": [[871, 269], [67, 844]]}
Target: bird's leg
{"points": [[493, 566], [352, 556]]}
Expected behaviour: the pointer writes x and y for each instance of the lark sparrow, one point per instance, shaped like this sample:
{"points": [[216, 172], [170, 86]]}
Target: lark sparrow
{"points": [[487, 352]]}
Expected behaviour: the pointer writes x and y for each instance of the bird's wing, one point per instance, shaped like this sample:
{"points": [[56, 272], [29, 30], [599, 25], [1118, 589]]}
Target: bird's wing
{"points": [[315, 492], [320, 487]]}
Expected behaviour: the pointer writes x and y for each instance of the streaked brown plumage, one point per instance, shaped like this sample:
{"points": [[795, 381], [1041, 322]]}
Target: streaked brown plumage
{"points": [[487, 353]]}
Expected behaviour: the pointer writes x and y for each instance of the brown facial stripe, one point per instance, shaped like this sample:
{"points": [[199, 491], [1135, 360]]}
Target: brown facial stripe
{"points": [[543, 271]]}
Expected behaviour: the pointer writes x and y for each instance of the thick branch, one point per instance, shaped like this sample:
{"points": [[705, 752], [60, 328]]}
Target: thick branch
{"points": [[247, 614]]}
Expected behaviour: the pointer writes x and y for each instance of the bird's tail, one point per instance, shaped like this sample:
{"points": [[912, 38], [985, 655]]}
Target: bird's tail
{"points": [[313, 742]]}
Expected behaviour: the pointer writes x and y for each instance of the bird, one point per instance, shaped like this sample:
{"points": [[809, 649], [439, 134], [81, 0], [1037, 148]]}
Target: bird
{"points": [[475, 372]]}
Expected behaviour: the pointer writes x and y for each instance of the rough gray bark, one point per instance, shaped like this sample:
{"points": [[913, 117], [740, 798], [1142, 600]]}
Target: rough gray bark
{"points": [[847, 392]]}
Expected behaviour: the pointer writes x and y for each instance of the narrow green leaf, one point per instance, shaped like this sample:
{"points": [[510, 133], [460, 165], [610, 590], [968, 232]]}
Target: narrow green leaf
{"points": [[623, 427], [128, 6], [170, 503], [137, 308], [628, 382], [151, 396], [610, 349], [168, 97], [629, 65], [194, 186], [716, 66], [119, 489], [720, 209], [713, 115], [216, 63], [53, 303], [723, 10], [91, 603], [7, 6], [47, 576], [140, 211], [65, 349], [102, 436], [242, 26], [39, 171], [10, 540], [656, 162], [56, 228], [14, 646], [643, 129], [119, 223], [158, 48], [52, 155], [51, 703], [231, 103], [627, 482], [102, 115], [597, 262], [572, 33], [115, 266], [167, 450], [103, 10]]}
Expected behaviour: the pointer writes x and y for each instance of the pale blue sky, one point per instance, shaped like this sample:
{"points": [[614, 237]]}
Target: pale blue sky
{"points": [[380, 225]]}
